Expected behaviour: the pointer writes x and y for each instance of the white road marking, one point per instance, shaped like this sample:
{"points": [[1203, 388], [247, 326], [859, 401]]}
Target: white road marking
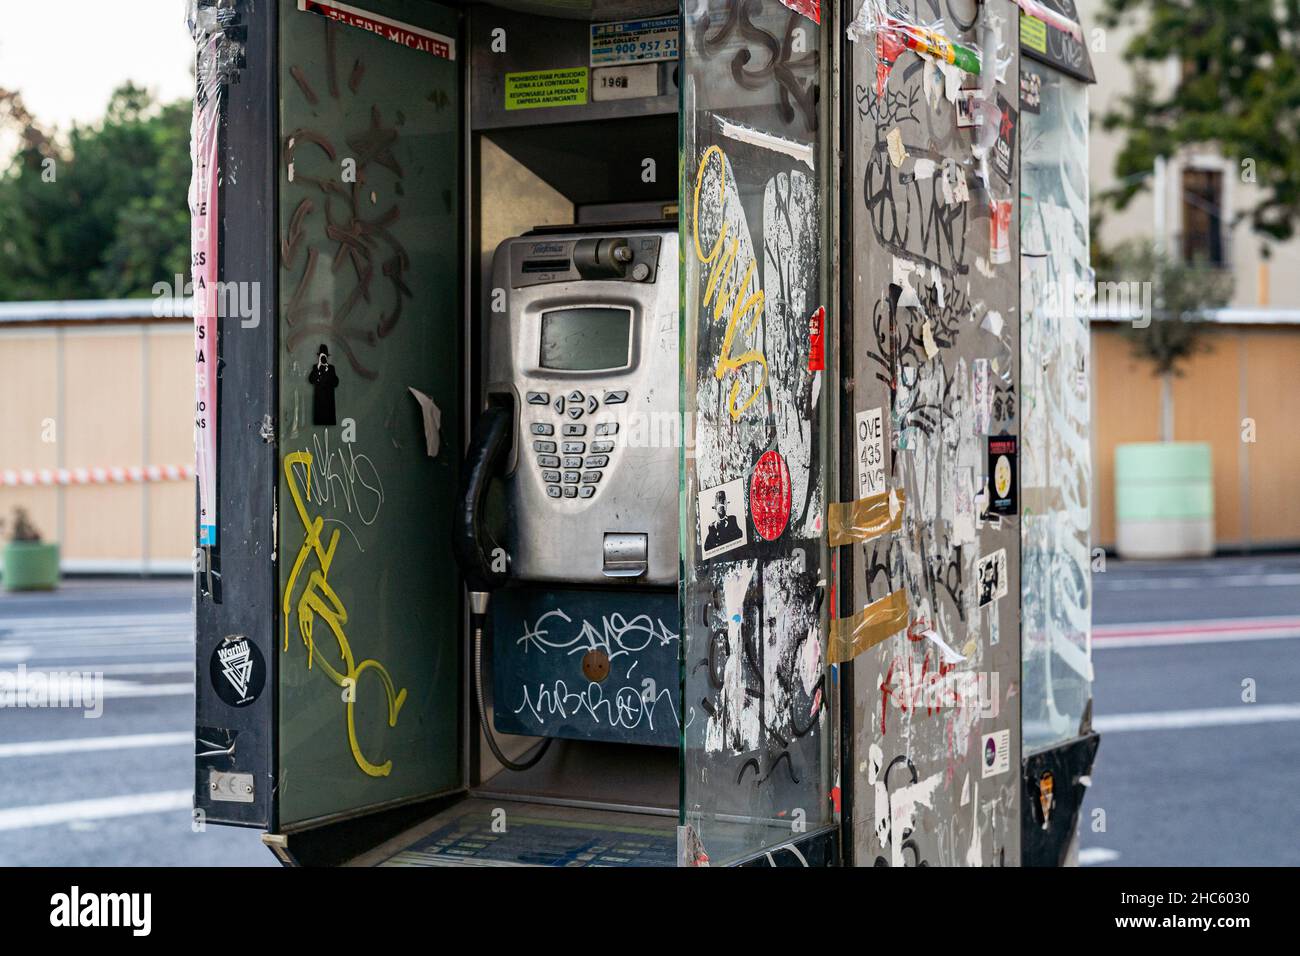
{"points": [[1188, 719], [45, 748], [1096, 854], [1157, 583], [1219, 631], [131, 804]]}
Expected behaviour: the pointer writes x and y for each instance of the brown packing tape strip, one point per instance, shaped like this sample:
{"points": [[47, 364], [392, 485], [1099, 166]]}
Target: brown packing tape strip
{"points": [[864, 519], [850, 636]]}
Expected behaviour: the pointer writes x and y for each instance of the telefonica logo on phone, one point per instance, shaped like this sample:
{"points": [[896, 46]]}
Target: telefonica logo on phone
{"points": [[102, 909]]}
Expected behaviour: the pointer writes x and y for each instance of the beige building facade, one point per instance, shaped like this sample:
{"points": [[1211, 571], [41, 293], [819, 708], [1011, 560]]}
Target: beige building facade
{"points": [[97, 434]]}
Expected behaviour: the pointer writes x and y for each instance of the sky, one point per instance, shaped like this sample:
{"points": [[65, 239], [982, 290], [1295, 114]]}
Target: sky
{"points": [[67, 56]]}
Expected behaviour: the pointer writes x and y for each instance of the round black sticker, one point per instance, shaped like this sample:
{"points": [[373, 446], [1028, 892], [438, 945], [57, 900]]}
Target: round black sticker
{"points": [[238, 671]]}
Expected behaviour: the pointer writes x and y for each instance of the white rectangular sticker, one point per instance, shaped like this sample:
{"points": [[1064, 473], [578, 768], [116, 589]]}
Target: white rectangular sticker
{"points": [[624, 82], [995, 755], [722, 518], [991, 577], [635, 41], [871, 452]]}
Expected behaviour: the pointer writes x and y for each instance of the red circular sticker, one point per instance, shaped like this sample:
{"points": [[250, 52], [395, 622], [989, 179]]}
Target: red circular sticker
{"points": [[769, 496]]}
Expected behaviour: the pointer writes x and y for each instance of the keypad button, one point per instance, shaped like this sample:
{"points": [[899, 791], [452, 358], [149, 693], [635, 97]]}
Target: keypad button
{"points": [[592, 404], [548, 461], [551, 476], [615, 398], [591, 477], [573, 462], [538, 398], [552, 491], [559, 405], [575, 447], [586, 491], [541, 428], [571, 477], [576, 397], [574, 430], [602, 447], [607, 428], [570, 491], [543, 446], [597, 461], [575, 411]]}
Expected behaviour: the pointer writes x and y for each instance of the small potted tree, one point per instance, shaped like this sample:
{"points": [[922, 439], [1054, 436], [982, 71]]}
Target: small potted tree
{"points": [[29, 563], [1164, 490]]}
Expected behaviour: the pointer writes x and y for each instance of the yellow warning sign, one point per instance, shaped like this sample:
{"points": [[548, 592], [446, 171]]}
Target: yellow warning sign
{"points": [[527, 91]]}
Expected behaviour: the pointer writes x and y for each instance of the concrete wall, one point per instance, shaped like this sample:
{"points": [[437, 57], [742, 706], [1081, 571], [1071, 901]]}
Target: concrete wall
{"points": [[105, 395]]}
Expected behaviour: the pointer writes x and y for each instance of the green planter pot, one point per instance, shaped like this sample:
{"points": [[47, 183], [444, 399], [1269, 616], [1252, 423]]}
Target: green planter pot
{"points": [[31, 566], [1164, 500]]}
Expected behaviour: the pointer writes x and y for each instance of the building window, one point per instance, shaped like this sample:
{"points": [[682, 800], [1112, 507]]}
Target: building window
{"points": [[1203, 216]]}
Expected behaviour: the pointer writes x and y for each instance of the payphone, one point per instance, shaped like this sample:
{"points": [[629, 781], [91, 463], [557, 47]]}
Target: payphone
{"points": [[580, 395]]}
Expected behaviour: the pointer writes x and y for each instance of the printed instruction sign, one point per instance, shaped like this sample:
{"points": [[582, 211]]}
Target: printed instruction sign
{"points": [[635, 41], [539, 88], [871, 452]]}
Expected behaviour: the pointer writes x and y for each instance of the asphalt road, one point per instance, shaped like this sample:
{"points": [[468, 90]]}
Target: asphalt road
{"points": [[1188, 774], [112, 790]]}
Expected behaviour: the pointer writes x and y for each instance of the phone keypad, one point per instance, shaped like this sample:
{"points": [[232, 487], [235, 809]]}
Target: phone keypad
{"points": [[578, 473]]}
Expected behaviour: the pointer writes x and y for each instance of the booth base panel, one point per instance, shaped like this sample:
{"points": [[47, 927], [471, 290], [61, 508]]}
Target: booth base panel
{"points": [[479, 832]]}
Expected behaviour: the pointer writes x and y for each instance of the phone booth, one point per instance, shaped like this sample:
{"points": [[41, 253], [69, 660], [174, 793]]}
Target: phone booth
{"points": [[633, 460]]}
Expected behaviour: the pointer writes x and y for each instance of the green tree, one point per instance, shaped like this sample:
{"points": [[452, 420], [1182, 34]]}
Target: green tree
{"points": [[1238, 91], [1174, 330], [103, 215]]}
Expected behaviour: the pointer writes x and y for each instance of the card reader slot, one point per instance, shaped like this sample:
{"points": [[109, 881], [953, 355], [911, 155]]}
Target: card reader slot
{"points": [[545, 265]]}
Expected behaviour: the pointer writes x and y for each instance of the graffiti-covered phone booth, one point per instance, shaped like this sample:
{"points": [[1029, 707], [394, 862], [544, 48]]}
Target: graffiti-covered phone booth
{"points": [[633, 432]]}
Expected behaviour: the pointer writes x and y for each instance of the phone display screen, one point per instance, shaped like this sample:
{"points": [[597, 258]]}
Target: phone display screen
{"points": [[586, 339]]}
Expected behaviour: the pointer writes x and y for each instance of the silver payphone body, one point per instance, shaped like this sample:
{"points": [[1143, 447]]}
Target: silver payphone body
{"points": [[581, 335], [580, 426]]}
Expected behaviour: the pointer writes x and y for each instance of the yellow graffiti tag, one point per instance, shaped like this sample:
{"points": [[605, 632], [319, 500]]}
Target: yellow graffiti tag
{"points": [[719, 288], [319, 599]]}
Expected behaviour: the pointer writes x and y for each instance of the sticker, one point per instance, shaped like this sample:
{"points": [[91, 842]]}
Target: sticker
{"points": [[897, 151], [1031, 91], [963, 507], [769, 496], [1033, 33], [967, 114], [539, 88], [991, 577], [1002, 474], [997, 753], [1046, 797], [983, 396], [635, 41], [888, 49], [953, 184], [394, 31], [204, 216], [624, 82], [927, 340], [720, 531], [323, 379], [817, 341], [871, 452], [238, 671], [812, 9], [1000, 231], [1004, 150]]}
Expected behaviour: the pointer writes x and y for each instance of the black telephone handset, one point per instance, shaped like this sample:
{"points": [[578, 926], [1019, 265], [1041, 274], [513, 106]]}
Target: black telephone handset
{"points": [[479, 554]]}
